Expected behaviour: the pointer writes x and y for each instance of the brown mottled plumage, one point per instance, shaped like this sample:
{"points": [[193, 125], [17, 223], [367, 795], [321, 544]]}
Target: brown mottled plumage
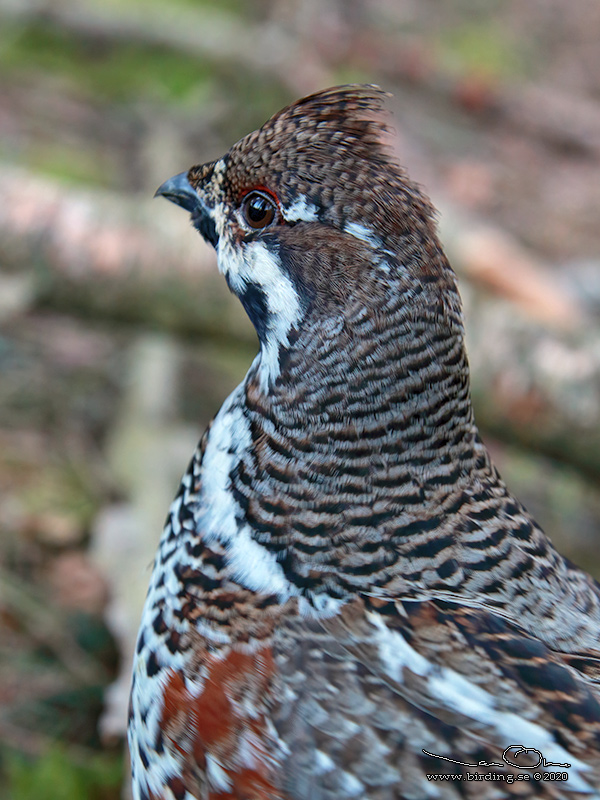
{"points": [[344, 582]]}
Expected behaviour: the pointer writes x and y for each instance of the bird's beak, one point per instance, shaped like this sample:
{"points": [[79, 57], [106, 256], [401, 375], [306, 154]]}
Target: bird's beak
{"points": [[179, 190]]}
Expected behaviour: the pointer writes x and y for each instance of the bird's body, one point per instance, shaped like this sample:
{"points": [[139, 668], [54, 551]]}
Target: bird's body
{"points": [[344, 582]]}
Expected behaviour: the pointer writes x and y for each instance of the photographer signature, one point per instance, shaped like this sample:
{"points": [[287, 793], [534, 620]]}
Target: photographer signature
{"points": [[512, 752]]}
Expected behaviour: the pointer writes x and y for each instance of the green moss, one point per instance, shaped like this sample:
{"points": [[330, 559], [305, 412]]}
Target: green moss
{"points": [[115, 71], [61, 774], [71, 164], [238, 7], [482, 47]]}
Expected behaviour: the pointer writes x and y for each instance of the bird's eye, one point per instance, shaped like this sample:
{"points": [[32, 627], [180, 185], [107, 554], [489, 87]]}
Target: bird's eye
{"points": [[259, 210]]}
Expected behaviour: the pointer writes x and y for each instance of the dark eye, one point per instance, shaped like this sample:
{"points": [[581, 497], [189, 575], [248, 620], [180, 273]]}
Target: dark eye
{"points": [[259, 210]]}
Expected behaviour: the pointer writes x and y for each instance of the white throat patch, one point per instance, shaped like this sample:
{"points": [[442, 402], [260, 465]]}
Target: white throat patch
{"points": [[254, 264]]}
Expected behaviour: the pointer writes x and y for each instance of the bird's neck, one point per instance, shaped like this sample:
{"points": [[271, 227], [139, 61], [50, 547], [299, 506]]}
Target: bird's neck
{"points": [[366, 469], [363, 440], [366, 397]]}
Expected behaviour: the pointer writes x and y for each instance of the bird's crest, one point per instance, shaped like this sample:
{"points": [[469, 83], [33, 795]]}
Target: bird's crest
{"points": [[350, 118]]}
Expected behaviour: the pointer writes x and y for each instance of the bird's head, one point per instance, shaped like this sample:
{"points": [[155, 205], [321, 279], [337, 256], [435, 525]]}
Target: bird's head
{"points": [[311, 216]]}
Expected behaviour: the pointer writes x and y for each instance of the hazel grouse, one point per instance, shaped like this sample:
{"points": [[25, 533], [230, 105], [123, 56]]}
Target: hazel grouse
{"points": [[346, 601]]}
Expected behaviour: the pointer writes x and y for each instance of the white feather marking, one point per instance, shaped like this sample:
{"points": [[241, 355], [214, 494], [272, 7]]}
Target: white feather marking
{"points": [[249, 747], [212, 633], [147, 700], [300, 211], [396, 654], [251, 564], [363, 233], [219, 170], [217, 777], [456, 692], [350, 785], [253, 263], [319, 605], [323, 763], [429, 789]]}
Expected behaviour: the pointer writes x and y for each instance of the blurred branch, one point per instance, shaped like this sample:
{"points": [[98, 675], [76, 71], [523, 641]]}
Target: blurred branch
{"points": [[535, 385], [97, 253], [493, 259], [564, 120]]}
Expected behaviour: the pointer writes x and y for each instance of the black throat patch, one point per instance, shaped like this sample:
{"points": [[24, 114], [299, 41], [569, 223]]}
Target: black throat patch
{"points": [[255, 303]]}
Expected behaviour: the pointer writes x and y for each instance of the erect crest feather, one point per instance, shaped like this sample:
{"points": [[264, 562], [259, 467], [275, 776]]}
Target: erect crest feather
{"points": [[351, 117]]}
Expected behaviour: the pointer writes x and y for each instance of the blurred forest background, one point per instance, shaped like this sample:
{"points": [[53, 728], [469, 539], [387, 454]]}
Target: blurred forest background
{"points": [[119, 340]]}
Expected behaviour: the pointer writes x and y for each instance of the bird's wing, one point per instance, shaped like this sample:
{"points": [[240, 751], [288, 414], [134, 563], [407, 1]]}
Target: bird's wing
{"points": [[369, 690]]}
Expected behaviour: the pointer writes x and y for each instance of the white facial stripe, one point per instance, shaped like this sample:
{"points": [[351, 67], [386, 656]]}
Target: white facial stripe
{"points": [[253, 263], [457, 693], [283, 305], [300, 211]]}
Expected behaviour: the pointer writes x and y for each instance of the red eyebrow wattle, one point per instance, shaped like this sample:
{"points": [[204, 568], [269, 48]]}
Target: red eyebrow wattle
{"points": [[260, 188]]}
